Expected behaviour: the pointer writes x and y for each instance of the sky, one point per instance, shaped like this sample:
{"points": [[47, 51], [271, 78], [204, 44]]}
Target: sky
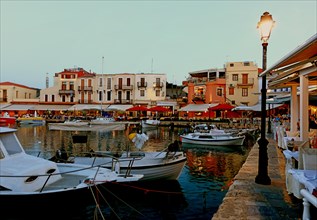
{"points": [[41, 38]]}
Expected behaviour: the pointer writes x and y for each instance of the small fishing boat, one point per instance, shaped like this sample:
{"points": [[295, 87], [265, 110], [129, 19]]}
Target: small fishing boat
{"points": [[164, 165], [26, 179], [212, 138], [150, 123], [7, 120], [27, 119], [102, 120]]}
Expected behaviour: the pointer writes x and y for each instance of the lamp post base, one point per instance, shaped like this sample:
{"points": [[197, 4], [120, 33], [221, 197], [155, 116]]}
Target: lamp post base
{"points": [[262, 177]]}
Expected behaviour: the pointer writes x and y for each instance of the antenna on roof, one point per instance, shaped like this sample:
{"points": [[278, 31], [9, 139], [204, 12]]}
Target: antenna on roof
{"points": [[47, 81]]}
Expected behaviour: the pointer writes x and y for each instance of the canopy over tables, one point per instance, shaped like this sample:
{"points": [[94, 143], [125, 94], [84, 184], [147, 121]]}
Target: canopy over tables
{"points": [[196, 107], [137, 108], [159, 109], [221, 107]]}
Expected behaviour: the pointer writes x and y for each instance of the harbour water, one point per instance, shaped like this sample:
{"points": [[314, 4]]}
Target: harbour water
{"points": [[197, 193]]}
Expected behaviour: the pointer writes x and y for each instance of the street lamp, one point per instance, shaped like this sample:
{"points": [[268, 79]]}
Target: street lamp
{"points": [[265, 26]]}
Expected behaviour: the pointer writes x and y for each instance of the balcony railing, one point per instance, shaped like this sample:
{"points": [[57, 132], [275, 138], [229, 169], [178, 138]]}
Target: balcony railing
{"points": [[158, 85], [244, 82], [84, 88], [66, 92], [123, 87], [142, 84], [123, 101], [85, 101]]}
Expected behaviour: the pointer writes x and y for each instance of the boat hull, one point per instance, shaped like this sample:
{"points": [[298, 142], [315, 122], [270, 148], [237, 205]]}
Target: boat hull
{"points": [[153, 168], [217, 141]]}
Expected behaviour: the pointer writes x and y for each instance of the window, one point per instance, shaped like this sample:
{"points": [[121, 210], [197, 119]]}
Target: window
{"points": [[233, 102], [63, 85], [11, 144], [53, 98], [231, 65], [157, 93], [100, 82], [108, 83], [142, 82], [25, 95], [128, 81], [231, 90], [142, 93], [109, 96], [63, 98], [100, 96], [72, 99], [234, 77], [128, 95], [244, 92], [71, 86], [46, 98], [16, 94], [219, 91]]}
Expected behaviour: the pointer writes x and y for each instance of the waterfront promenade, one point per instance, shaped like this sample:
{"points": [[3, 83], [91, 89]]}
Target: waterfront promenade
{"points": [[249, 200]]}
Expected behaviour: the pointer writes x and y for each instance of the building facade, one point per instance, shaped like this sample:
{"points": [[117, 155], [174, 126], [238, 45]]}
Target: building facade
{"points": [[77, 86], [242, 85], [13, 92]]}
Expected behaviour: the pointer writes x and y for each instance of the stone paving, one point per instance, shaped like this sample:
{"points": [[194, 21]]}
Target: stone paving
{"points": [[249, 200]]}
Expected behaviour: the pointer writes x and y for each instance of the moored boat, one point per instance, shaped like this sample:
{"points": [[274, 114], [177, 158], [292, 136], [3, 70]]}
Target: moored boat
{"points": [[26, 179], [212, 139], [153, 165]]}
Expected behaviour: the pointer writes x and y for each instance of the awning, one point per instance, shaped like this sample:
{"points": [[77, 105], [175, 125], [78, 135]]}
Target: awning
{"points": [[197, 107], [81, 107], [118, 107], [18, 107], [52, 107], [257, 107], [2, 106]]}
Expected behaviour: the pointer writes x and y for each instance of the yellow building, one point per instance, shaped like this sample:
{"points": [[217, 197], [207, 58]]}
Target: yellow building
{"points": [[242, 86]]}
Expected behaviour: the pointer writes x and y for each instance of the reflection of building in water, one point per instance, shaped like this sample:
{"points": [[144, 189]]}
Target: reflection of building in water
{"points": [[212, 163]]}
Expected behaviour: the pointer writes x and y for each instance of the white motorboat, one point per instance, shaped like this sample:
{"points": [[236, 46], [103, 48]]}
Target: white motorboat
{"points": [[26, 179], [102, 120], [165, 165], [150, 123], [212, 138], [153, 165], [78, 125]]}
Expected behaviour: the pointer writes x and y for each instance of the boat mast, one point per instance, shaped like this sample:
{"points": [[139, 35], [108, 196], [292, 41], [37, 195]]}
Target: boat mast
{"points": [[101, 84]]}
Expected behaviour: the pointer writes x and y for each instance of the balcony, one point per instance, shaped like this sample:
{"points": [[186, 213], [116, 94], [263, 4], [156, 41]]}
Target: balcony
{"points": [[198, 97], [85, 88], [142, 84], [66, 92], [123, 87], [245, 82], [158, 85], [123, 101], [84, 101]]}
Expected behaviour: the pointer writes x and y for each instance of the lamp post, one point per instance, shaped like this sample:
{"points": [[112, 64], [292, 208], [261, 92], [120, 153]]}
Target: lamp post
{"points": [[265, 26]]}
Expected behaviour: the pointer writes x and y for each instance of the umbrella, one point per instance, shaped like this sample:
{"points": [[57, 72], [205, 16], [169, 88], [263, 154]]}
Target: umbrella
{"points": [[138, 108], [158, 109], [221, 107]]}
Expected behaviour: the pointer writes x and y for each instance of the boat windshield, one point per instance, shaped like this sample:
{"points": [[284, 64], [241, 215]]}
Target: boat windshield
{"points": [[10, 143]]}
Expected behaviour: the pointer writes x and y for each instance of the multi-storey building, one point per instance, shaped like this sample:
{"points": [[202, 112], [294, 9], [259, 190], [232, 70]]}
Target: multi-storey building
{"points": [[206, 86], [236, 84], [77, 86], [13, 93], [242, 86]]}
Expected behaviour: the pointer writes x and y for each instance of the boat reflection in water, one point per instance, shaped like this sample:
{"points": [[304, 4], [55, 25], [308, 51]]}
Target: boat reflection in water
{"points": [[197, 194]]}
